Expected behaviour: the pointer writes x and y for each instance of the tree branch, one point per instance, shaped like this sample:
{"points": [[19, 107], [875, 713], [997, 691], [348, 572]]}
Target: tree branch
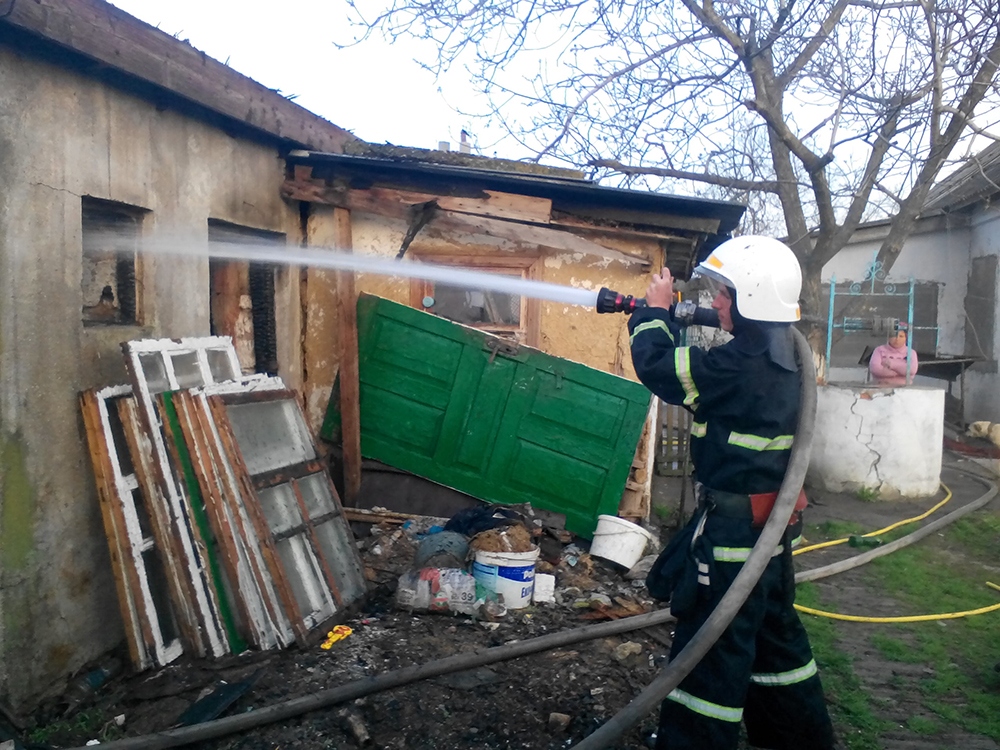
{"points": [[734, 183], [914, 202]]}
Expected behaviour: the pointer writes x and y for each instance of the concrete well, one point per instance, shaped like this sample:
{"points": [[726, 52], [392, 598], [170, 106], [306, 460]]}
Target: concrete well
{"points": [[886, 441]]}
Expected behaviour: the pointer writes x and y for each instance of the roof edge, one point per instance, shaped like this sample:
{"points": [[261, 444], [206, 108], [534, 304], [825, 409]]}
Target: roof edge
{"points": [[113, 38]]}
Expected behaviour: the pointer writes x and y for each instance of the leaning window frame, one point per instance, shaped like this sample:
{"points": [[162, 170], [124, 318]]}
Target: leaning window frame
{"points": [[210, 355], [127, 543], [331, 602], [262, 607]]}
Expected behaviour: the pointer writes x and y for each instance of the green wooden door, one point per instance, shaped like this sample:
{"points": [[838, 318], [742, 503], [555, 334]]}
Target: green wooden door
{"points": [[506, 427]]}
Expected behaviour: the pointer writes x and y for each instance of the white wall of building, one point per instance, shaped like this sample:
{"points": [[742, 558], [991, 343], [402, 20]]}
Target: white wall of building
{"points": [[886, 441]]}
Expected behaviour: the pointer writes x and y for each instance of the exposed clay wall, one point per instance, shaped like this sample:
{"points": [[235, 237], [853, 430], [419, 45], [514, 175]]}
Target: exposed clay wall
{"points": [[569, 331], [64, 136]]}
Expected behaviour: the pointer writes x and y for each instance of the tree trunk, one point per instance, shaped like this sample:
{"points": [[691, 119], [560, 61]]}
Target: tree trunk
{"points": [[814, 316]]}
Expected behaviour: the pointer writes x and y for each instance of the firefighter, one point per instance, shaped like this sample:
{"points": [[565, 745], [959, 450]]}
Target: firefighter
{"points": [[744, 396]]}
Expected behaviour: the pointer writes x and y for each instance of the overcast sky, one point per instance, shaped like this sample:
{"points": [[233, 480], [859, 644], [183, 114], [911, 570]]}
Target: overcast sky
{"points": [[375, 90]]}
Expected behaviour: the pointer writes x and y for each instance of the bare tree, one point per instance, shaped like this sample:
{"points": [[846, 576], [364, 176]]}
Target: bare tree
{"points": [[821, 113]]}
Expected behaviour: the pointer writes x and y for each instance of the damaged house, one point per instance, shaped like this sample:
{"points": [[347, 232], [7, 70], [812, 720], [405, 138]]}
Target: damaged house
{"points": [[114, 135]]}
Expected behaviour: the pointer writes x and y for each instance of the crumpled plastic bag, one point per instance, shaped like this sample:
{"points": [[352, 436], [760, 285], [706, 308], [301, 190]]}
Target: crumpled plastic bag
{"points": [[439, 590]]}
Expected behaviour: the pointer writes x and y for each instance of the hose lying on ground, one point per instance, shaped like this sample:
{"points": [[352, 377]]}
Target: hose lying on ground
{"points": [[397, 678], [904, 541], [746, 579]]}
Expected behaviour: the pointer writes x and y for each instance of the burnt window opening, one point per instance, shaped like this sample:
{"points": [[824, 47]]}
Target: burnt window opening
{"points": [[265, 339], [109, 286], [242, 297]]}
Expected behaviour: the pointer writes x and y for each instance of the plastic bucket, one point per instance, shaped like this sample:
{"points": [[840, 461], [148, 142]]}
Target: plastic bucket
{"points": [[511, 574], [619, 541]]}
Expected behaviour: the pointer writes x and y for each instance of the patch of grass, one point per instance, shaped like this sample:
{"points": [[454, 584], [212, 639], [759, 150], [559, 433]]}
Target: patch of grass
{"points": [[663, 512], [834, 530], [86, 725], [978, 535], [922, 725], [867, 494], [896, 649], [946, 574], [849, 702]]}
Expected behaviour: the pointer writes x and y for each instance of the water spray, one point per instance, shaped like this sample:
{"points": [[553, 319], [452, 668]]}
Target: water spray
{"points": [[603, 301]]}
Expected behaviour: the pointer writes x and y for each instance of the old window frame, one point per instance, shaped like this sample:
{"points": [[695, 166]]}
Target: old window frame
{"points": [[210, 355], [120, 494], [529, 267], [266, 624], [327, 603]]}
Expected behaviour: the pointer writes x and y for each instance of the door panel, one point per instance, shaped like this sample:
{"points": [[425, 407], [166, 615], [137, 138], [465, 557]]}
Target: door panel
{"points": [[507, 426]]}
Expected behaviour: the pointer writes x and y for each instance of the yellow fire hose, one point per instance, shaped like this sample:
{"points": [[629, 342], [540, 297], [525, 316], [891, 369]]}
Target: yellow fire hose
{"points": [[909, 618]]}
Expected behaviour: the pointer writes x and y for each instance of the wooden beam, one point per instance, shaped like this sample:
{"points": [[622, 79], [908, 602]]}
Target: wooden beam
{"points": [[350, 387], [113, 38], [395, 203], [364, 515], [529, 235], [389, 203], [648, 218], [574, 224]]}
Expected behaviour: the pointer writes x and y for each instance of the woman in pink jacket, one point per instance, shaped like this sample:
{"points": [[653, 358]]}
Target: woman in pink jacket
{"points": [[888, 362]]}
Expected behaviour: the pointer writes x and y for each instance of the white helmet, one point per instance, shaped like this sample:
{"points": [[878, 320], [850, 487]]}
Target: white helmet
{"points": [[765, 274]]}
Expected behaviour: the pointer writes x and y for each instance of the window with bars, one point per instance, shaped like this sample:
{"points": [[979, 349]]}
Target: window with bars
{"points": [[111, 234]]}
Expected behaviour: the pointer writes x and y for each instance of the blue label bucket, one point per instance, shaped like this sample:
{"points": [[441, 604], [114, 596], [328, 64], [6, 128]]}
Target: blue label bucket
{"points": [[511, 574]]}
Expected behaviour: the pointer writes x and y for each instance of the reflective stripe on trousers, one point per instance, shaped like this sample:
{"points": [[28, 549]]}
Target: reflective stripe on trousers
{"points": [[706, 708], [791, 677]]}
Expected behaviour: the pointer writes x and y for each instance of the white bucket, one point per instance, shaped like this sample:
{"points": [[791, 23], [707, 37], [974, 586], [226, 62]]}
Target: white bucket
{"points": [[619, 541], [509, 573]]}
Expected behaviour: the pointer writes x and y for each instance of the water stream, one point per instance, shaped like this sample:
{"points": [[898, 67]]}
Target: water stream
{"points": [[341, 261]]}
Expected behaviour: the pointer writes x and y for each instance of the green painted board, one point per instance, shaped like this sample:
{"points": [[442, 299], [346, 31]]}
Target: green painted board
{"points": [[506, 428]]}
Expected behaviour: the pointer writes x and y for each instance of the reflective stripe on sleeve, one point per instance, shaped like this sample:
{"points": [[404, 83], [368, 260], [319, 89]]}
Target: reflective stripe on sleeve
{"points": [[706, 708], [699, 429], [682, 366], [649, 325], [758, 443], [736, 554], [703, 577], [792, 677]]}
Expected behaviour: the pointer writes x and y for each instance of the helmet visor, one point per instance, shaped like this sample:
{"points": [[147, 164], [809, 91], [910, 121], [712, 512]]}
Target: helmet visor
{"points": [[710, 280]]}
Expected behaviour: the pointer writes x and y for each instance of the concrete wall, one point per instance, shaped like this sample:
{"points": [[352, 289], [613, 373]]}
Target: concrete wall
{"points": [[573, 332], [886, 441], [64, 136]]}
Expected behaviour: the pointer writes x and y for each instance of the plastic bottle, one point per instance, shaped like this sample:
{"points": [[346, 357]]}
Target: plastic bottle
{"points": [[85, 685]]}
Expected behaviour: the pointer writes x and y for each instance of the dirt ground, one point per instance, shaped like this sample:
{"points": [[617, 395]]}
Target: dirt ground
{"points": [[505, 705]]}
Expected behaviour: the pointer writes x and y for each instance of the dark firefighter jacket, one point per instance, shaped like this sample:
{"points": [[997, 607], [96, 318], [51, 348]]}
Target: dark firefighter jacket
{"points": [[745, 406]]}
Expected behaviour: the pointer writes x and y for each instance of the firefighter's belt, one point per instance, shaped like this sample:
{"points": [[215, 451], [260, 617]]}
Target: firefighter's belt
{"points": [[755, 508]]}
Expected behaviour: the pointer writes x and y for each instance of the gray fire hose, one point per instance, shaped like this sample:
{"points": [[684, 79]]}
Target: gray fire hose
{"points": [[745, 581]]}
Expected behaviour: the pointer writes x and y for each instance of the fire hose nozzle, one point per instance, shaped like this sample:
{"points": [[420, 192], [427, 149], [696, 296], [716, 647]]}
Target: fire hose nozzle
{"points": [[610, 301], [685, 313]]}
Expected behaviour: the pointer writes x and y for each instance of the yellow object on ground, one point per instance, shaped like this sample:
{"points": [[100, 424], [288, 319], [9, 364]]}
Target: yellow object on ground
{"points": [[339, 633]]}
